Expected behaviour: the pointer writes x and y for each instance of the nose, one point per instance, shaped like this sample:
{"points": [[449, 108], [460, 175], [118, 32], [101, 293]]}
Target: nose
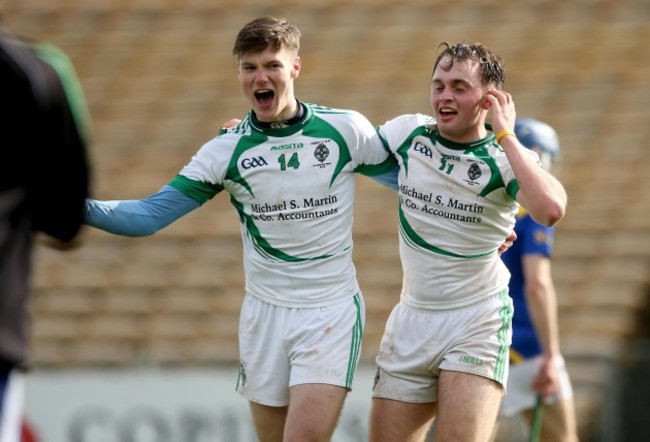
{"points": [[261, 76], [445, 95]]}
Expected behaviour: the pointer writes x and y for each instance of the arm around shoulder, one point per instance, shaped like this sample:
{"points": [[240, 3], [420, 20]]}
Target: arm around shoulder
{"points": [[137, 218]]}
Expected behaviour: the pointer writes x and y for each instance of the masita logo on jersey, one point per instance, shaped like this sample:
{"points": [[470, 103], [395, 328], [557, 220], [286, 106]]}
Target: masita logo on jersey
{"points": [[287, 146]]}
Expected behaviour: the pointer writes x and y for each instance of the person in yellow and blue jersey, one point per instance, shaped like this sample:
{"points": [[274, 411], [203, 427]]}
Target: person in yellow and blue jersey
{"points": [[538, 374]]}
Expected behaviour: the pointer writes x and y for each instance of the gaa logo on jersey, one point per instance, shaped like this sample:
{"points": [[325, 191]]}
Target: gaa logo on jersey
{"points": [[419, 147], [321, 152], [248, 163]]}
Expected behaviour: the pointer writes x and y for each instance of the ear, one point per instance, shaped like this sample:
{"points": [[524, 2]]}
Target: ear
{"points": [[295, 70], [486, 104]]}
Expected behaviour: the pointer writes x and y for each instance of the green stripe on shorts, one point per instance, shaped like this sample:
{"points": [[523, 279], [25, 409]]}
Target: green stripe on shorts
{"points": [[506, 319], [355, 344]]}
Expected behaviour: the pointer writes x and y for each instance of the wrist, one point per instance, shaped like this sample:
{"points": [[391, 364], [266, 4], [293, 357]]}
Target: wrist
{"points": [[555, 359], [504, 133]]}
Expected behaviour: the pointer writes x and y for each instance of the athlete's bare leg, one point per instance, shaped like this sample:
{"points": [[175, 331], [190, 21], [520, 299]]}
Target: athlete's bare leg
{"points": [[467, 407], [269, 422], [314, 411], [396, 421], [311, 416]]}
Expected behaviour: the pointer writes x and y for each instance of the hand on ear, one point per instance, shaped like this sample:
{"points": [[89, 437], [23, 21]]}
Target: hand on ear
{"points": [[502, 110], [487, 103]]}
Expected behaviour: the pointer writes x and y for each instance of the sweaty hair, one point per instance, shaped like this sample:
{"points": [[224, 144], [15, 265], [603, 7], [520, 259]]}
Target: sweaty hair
{"points": [[266, 33], [492, 68]]}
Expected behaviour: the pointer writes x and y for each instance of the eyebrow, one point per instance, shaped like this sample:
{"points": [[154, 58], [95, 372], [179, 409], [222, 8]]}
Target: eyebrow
{"points": [[265, 63], [454, 82]]}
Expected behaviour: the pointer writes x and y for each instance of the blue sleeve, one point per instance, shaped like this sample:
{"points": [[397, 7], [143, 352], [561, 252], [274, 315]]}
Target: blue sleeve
{"points": [[388, 179], [538, 239], [139, 217]]}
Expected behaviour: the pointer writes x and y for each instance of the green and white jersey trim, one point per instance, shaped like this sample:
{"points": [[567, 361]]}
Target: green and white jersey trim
{"points": [[293, 189], [457, 206]]}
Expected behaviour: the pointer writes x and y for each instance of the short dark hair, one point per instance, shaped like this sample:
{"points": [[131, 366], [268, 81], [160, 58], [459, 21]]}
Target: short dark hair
{"points": [[493, 70], [266, 32]]}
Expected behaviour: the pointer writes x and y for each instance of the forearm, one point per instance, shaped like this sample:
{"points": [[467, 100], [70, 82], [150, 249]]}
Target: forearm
{"points": [[542, 307], [539, 192], [139, 217]]}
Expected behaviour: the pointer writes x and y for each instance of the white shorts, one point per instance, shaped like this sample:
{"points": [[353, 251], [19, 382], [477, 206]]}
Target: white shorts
{"points": [[418, 343], [281, 347], [521, 395]]}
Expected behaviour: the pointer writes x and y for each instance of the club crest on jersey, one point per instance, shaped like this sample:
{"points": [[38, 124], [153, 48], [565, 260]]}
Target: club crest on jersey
{"points": [[321, 152], [474, 172], [248, 163]]}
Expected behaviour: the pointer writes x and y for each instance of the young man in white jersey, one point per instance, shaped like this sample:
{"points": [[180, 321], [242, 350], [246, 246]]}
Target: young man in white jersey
{"points": [[288, 168], [444, 354], [538, 381]]}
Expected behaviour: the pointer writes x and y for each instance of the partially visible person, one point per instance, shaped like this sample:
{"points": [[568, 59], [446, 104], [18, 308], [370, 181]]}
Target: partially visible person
{"points": [[289, 170], [537, 368], [444, 353], [44, 181]]}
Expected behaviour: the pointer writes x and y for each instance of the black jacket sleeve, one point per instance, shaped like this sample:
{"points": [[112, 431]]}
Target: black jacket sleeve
{"points": [[46, 150]]}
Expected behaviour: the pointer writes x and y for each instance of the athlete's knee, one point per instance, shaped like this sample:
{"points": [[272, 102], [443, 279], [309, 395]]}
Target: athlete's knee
{"points": [[307, 433]]}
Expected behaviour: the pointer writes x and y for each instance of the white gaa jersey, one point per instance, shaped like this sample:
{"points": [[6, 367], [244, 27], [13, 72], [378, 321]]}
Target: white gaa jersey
{"points": [[293, 189], [457, 206]]}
